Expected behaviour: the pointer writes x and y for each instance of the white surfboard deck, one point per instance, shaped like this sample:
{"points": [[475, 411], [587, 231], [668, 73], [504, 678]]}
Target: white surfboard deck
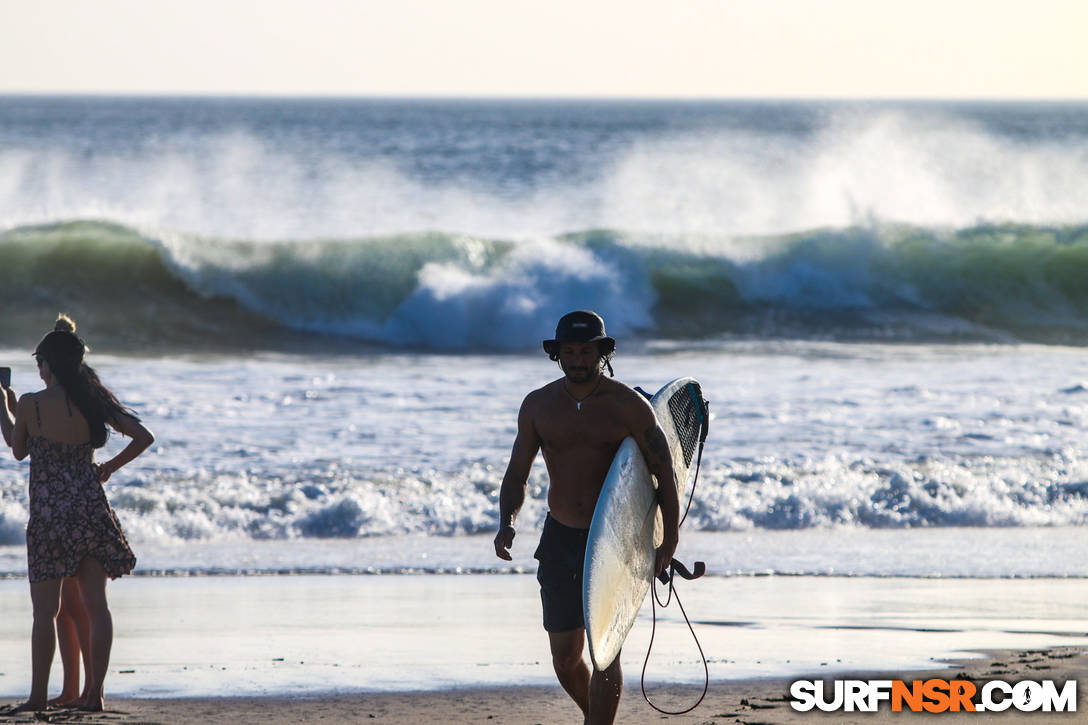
{"points": [[627, 526]]}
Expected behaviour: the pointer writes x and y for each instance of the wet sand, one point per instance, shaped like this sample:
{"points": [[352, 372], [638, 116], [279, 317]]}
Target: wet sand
{"points": [[746, 701], [469, 648]]}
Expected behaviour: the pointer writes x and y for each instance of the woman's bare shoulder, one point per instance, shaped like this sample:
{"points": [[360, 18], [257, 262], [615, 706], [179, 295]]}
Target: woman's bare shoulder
{"points": [[29, 398]]}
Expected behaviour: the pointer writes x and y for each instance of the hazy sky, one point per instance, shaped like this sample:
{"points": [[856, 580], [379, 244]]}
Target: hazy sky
{"points": [[703, 48]]}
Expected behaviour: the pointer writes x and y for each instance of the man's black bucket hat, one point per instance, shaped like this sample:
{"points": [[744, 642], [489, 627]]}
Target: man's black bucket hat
{"points": [[580, 326]]}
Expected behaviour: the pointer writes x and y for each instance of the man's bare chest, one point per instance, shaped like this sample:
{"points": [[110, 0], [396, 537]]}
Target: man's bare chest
{"points": [[580, 429]]}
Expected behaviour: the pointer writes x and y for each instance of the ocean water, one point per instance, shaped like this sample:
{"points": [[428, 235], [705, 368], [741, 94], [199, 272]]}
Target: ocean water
{"points": [[329, 312]]}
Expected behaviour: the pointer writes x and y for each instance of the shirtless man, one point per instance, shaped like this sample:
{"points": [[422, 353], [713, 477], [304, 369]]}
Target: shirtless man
{"points": [[578, 422]]}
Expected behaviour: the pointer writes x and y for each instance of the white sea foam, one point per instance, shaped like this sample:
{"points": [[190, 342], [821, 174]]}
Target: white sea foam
{"points": [[239, 185], [532, 288], [893, 165], [914, 165], [805, 437]]}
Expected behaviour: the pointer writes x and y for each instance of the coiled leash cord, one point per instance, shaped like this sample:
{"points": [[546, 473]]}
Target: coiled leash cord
{"points": [[678, 569]]}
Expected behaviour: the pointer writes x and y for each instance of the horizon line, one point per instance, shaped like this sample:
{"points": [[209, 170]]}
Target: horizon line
{"points": [[245, 95]]}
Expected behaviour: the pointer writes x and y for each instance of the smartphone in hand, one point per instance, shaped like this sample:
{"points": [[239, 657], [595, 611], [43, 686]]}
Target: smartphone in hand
{"points": [[5, 377]]}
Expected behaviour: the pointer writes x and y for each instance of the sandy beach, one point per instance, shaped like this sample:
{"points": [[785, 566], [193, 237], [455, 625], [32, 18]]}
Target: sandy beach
{"points": [[468, 648], [745, 701]]}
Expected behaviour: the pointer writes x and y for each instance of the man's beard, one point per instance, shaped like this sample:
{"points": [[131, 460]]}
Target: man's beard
{"points": [[579, 374]]}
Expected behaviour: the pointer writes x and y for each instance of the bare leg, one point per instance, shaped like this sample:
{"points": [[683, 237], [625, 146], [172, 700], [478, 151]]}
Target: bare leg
{"points": [[83, 629], [92, 584], [45, 597], [68, 641], [570, 667], [605, 688]]}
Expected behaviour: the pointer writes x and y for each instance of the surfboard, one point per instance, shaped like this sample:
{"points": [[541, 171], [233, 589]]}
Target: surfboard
{"points": [[627, 526]]}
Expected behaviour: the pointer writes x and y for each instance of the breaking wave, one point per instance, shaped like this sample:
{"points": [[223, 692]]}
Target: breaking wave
{"points": [[457, 292]]}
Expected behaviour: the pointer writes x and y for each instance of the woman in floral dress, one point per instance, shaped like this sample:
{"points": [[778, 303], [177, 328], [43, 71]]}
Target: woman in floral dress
{"points": [[73, 532]]}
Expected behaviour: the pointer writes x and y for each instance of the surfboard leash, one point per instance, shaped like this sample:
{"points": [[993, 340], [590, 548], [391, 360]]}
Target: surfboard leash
{"points": [[676, 568]]}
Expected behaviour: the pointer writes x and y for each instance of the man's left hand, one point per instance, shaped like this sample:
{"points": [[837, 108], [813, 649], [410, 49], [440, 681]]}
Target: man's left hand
{"points": [[665, 552]]}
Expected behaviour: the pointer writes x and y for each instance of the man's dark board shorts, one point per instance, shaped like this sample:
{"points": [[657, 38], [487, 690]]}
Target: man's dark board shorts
{"points": [[562, 555]]}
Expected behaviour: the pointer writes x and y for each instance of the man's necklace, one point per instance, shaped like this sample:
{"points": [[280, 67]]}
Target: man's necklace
{"points": [[578, 401]]}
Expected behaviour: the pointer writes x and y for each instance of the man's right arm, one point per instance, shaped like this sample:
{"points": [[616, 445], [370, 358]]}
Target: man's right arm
{"points": [[512, 491]]}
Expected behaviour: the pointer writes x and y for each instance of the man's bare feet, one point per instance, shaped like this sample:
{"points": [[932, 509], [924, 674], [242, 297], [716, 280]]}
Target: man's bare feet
{"points": [[90, 704]]}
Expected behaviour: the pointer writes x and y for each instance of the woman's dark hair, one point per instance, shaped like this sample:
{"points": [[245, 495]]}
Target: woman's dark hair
{"points": [[64, 351]]}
